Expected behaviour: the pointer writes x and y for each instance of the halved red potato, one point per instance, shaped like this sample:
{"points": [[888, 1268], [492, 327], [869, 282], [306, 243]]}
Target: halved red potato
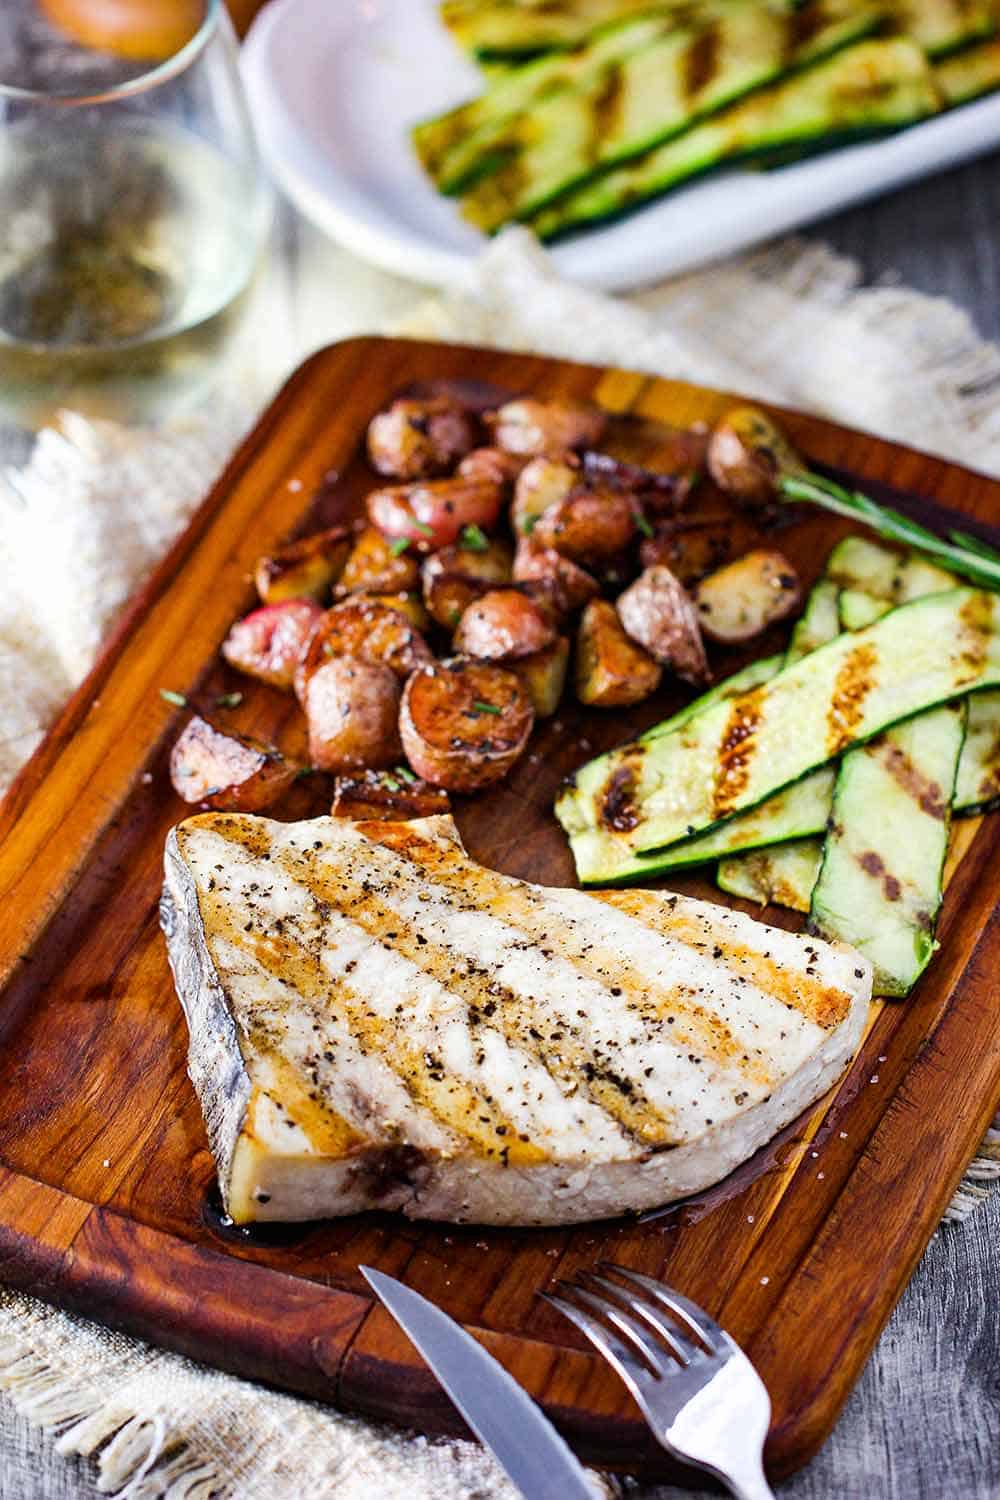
{"points": [[464, 723], [745, 597], [414, 439], [352, 707], [544, 676], [587, 524], [429, 516], [748, 454], [305, 569], [693, 546], [658, 614], [410, 605], [550, 427], [565, 585], [610, 669], [227, 771], [455, 576], [387, 796], [371, 632], [269, 642], [503, 624], [492, 465], [540, 484], [374, 566]]}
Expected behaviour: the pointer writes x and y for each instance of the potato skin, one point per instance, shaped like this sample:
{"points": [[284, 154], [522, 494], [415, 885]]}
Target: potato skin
{"points": [[433, 514], [227, 771], [544, 676], [742, 599], [269, 643], [492, 465], [564, 584], [611, 670], [540, 484], [587, 525], [353, 711], [414, 439], [384, 796], [304, 569], [362, 628], [503, 624], [529, 426], [658, 614], [747, 455], [448, 739], [455, 576], [692, 547], [373, 567]]}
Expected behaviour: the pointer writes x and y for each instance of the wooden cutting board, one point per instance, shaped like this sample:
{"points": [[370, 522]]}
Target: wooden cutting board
{"points": [[107, 1195]]}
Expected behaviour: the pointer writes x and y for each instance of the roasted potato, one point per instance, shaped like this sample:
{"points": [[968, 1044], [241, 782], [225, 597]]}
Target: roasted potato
{"points": [[610, 669], [691, 546], [747, 456], [565, 585], [410, 605], [504, 624], [658, 614], [415, 439], [227, 771], [540, 484], [429, 516], [387, 796], [368, 631], [544, 676], [492, 465], [305, 569], [269, 643], [353, 711], [374, 567], [455, 576], [587, 525], [660, 491], [528, 426], [464, 723], [745, 597]]}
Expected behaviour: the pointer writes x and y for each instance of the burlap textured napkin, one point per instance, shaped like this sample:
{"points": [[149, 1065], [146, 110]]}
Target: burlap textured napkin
{"points": [[96, 505]]}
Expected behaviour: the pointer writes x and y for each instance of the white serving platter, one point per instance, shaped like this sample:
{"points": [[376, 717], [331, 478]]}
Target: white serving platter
{"points": [[334, 88]]}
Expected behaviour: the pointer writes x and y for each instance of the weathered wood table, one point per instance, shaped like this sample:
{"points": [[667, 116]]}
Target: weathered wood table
{"points": [[924, 1421]]}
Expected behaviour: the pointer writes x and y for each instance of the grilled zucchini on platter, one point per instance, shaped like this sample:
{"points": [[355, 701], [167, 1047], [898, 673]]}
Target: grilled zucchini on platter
{"points": [[602, 105]]}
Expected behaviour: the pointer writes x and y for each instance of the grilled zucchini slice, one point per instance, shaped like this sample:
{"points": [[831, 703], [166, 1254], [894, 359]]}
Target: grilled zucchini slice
{"points": [[942, 26], [879, 886], [977, 786], [969, 74], [784, 875], [512, 30]]}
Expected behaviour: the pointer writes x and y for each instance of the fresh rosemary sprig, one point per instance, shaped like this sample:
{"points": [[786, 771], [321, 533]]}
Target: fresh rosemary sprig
{"points": [[964, 554]]}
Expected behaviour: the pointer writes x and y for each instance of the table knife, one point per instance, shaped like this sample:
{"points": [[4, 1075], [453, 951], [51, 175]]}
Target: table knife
{"points": [[500, 1413]]}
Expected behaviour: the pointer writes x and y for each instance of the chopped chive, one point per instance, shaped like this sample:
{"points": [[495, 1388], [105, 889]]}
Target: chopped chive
{"points": [[399, 546], [391, 783], [528, 524], [474, 539], [643, 524], [305, 771], [485, 708], [405, 774], [229, 700], [423, 528], [177, 699]]}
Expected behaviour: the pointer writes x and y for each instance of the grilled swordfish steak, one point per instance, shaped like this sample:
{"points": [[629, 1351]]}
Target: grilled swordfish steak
{"points": [[379, 1022]]}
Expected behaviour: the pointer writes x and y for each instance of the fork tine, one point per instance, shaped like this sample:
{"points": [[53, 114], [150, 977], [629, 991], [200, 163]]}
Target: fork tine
{"points": [[626, 1324], [681, 1347], [689, 1313], [617, 1353]]}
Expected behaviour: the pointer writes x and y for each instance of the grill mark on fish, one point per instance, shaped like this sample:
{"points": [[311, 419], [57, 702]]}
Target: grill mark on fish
{"points": [[736, 753], [570, 1055], [925, 792], [854, 681], [453, 1102], [692, 1024], [326, 1129], [701, 61], [796, 989], [975, 620]]}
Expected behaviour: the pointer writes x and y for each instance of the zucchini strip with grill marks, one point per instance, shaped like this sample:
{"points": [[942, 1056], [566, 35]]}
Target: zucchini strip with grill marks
{"points": [[509, 30], [879, 886], [969, 74], [654, 94], [870, 87], [782, 876], [735, 754], [943, 26]]}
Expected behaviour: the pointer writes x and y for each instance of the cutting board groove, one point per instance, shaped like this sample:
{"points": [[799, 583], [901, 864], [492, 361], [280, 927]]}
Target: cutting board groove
{"points": [[107, 1195]]}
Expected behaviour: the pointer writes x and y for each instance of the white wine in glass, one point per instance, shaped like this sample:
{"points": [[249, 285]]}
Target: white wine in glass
{"points": [[133, 218]]}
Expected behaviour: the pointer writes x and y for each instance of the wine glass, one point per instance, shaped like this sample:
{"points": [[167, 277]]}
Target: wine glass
{"points": [[134, 215]]}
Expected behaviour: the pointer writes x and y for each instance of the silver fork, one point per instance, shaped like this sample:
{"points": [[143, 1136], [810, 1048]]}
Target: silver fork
{"points": [[701, 1396]]}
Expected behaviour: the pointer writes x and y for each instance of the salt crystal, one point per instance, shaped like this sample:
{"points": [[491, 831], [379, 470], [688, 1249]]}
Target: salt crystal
{"points": [[106, 1162], [764, 1280], [295, 485], [843, 1135], [146, 778], [820, 1176], [749, 1218], [874, 1078]]}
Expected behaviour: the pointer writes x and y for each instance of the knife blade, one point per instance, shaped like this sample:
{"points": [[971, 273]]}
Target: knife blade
{"points": [[500, 1413]]}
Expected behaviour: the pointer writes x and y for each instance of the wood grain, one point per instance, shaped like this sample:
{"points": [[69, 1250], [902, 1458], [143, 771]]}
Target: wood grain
{"points": [[107, 1188]]}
